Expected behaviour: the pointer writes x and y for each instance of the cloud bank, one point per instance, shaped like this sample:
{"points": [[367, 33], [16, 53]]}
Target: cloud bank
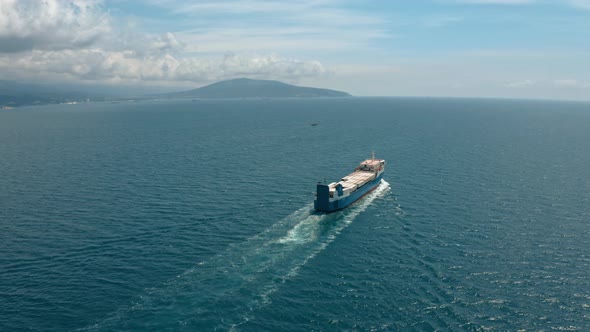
{"points": [[497, 2], [78, 39], [583, 4], [50, 24]]}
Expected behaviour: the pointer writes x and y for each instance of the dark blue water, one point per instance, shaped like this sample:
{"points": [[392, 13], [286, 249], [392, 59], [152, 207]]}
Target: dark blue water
{"points": [[195, 216]]}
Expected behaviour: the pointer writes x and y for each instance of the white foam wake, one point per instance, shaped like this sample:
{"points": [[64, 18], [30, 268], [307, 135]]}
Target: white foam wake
{"points": [[309, 231], [241, 279]]}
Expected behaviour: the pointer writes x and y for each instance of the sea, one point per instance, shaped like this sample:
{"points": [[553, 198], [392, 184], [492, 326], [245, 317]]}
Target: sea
{"points": [[197, 215]]}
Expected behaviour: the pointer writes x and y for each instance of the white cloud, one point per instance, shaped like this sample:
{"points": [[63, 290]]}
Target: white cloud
{"points": [[441, 21], [50, 24], [566, 83], [291, 26], [287, 39], [78, 39], [127, 66], [520, 84], [571, 84], [584, 4], [495, 2], [144, 44], [240, 6]]}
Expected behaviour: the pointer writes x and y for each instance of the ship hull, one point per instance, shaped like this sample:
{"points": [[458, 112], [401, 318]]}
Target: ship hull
{"points": [[326, 206]]}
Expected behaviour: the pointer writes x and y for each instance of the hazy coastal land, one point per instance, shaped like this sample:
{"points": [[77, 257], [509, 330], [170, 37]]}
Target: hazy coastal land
{"points": [[13, 94]]}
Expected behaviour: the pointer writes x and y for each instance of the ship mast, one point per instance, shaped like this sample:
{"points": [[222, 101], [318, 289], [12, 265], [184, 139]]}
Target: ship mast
{"points": [[373, 152]]}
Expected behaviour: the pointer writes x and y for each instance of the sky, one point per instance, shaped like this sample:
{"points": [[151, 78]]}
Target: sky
{"points": [[536, 49]]}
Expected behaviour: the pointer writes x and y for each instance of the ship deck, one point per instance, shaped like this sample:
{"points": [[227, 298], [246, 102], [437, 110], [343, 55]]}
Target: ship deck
{"points": [[354, 180]]}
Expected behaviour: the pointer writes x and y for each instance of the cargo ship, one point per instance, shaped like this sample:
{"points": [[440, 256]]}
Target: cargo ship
{"points": [[338, 195]]}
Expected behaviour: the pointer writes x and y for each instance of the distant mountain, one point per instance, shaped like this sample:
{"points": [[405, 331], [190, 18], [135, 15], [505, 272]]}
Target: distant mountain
{"points": [[249, 88], [14, 94]]}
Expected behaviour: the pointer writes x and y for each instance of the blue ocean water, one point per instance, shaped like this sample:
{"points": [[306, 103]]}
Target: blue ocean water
{"points": [[197, 215]]}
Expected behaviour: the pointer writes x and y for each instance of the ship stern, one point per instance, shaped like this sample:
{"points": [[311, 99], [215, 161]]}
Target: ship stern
{"points": [[322, 199]]}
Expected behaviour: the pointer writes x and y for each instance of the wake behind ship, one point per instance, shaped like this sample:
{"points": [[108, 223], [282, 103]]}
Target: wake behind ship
{"points": [[338, 195]]}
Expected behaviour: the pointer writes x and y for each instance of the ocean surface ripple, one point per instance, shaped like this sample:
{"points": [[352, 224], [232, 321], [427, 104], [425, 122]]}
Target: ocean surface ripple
{"points": [[197, 216]]}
